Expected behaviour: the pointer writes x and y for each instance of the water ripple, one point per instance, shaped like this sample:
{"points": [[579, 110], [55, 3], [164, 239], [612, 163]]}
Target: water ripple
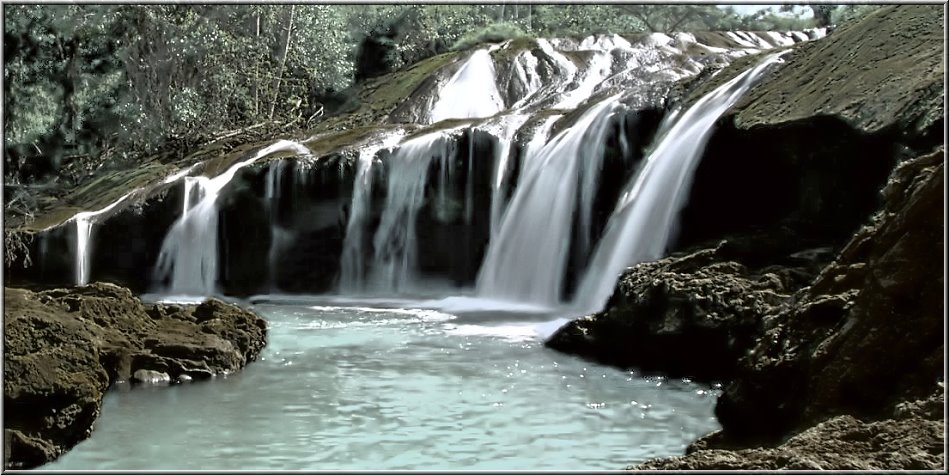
{"points": [[363, 388]]}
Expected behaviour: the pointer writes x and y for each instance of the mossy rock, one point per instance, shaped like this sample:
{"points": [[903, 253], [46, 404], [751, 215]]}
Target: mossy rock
{"points": [[884, 71]]}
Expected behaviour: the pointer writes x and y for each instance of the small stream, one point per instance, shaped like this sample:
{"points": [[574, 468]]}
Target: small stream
{"points": [[348, 387]]}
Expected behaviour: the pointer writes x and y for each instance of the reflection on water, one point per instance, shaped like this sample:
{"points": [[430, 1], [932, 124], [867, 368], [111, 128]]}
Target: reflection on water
{"points": [[366, 388]]}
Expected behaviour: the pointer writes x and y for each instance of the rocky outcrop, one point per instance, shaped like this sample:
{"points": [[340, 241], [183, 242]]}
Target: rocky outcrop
{"points": [[912, 438], [848, 374], [882, 72], [63, 348], [867, 333], [691, 315]]}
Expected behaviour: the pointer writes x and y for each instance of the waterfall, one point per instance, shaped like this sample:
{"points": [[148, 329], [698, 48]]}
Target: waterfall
{"points": [[189, 252], [393, 268], [272, 190], [83, 233], [642, 223], [471, 92], [84, 223], [503, 154], [352, 265], [526, 260]]}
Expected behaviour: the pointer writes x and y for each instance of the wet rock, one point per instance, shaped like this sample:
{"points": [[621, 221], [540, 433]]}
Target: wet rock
{"points": [[848, 374], [880, 304], [64, 347], [147, 376], [912, 439], [688, 315]]}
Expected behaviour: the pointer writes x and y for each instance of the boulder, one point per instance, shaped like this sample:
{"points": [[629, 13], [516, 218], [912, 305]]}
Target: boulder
{"points": [[64, 347], [693, 314], [911, 439]]}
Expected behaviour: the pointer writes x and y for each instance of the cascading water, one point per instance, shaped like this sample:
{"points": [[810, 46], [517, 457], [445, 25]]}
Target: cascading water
{"points": [[272, 194], [394, 264], [83, 233], [352, 265], [643, 221], [506, 140], [526, 260], [84, 223], [542, 200], [189, 253], [471, 92]]}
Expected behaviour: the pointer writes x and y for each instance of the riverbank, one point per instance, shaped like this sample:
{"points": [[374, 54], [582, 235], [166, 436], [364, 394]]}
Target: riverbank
{"points": [[849, 373], [64, 348]]}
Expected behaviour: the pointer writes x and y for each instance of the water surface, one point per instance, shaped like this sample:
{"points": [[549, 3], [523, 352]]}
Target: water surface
{"points": [[373, 388]]}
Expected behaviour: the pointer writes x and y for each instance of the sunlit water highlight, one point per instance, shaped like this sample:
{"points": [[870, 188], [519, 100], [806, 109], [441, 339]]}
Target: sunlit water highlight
{"points": [[372, 388]]}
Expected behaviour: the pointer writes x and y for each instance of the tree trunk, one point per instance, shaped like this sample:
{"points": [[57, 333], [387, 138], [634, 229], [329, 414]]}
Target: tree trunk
{"points": [[283, 62], [257, 72]]}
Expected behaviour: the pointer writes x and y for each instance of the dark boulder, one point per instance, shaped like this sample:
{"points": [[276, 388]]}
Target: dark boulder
{"points": [[64, 347], [692, 314], [880, 304], [909, 439]]}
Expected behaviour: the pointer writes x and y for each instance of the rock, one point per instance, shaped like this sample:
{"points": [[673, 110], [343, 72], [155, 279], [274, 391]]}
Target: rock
{"points": [[689, 315], [30, 451], [883, 71], [148, 376], [848, 374], [880, 304], [64, 347], [911, 440]]}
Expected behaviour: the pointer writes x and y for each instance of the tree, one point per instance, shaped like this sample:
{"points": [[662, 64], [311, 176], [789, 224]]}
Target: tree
{"points": [[665, 18], [62, 85], [822, 14]]}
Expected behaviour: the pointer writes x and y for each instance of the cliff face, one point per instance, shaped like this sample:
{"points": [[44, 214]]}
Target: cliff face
{"points": [[851, 368], [826, 321]]}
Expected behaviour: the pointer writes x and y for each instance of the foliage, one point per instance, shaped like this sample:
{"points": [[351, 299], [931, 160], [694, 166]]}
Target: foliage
{"points": [[493, 33], [785, 18], [847, 13]]}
